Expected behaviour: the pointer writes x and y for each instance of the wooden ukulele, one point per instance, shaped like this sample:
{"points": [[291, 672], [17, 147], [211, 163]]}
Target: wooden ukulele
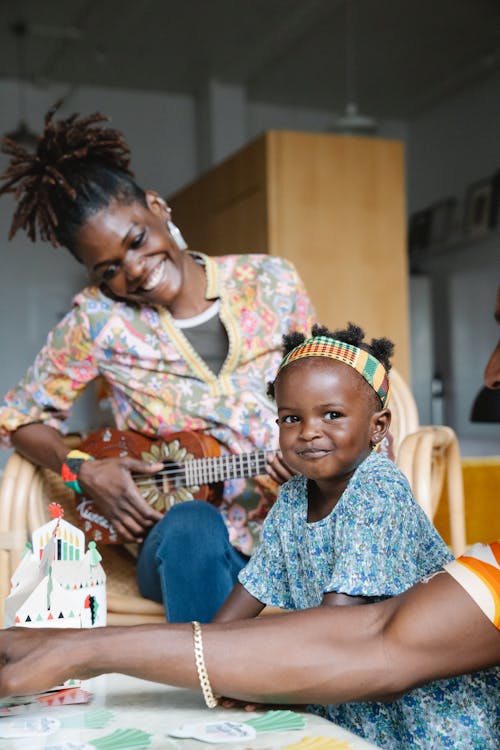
{"points": [[194, 470]]}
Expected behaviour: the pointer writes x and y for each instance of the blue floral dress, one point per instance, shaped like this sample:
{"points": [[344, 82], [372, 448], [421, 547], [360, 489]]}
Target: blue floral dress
{"points": [[376, 542]]}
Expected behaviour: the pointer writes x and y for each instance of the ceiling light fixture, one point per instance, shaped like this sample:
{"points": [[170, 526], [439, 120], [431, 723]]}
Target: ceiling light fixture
{"points": [[351, 120], [22, 135]]}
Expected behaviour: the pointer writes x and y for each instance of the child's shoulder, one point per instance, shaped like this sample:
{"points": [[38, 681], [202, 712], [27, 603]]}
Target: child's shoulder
{"points": [[379, 467], [380, 483]]}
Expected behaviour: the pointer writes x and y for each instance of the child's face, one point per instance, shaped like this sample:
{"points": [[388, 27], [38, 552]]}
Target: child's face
{"points": [[327, 417]]}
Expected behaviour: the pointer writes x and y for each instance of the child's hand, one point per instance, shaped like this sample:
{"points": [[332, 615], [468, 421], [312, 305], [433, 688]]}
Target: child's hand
{"points": [[232, 703], [278, 470]]}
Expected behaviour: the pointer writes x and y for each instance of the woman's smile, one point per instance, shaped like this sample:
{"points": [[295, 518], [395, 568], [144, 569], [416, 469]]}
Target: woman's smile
{"points": [[155, 278], [132, 256]]}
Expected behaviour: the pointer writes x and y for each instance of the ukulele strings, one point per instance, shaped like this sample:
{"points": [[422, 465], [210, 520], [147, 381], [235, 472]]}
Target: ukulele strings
{"points": [[234, 461]]}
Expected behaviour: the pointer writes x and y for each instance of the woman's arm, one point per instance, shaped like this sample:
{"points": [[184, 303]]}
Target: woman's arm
{"points": [[63, 368], [324, 655], [41, 444]]}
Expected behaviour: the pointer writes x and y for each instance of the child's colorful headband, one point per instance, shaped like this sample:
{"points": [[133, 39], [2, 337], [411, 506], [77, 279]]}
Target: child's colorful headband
{"points": [[366, 364]]}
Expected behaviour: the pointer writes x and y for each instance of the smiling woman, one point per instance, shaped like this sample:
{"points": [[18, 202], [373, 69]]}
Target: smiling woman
{"points": [[184, 341]]}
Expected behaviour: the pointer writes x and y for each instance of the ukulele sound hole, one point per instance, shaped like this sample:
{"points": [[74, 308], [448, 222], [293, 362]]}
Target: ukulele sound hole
{"points": [[169, 486], [171, 478]]}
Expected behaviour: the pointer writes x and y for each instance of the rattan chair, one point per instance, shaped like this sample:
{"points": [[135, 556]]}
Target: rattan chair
{"points": [[429, 456]]}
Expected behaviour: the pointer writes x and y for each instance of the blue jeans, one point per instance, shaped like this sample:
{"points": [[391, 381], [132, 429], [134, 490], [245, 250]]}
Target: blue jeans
{"points": [[188, 563]]}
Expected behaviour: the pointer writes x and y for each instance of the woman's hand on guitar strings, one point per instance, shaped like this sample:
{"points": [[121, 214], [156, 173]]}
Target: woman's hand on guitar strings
{"points": [[109, 483], [278, 470]]}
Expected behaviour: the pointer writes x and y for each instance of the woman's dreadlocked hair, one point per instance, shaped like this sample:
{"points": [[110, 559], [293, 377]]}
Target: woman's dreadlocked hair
{"points": [[77, 169], [382, 349]]}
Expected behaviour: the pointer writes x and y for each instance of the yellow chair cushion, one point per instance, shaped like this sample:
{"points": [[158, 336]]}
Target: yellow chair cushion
{"points": [[482, 500]]}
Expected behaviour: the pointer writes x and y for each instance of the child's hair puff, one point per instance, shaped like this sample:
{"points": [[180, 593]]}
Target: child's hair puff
{"points": [[382, 349]]}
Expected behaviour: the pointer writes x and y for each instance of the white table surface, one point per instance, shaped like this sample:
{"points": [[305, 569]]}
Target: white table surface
{"points": [[156, 708]]}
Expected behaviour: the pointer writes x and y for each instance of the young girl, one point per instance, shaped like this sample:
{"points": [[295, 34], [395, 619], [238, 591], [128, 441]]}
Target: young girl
{"points": [[347, 530]]}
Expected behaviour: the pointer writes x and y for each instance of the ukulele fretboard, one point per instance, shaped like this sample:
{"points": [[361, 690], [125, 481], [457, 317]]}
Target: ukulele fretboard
{"points": [[218, 468]]}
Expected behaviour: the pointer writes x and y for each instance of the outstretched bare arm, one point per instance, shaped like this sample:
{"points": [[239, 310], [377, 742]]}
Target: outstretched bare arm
{"points": [[324, 655]]}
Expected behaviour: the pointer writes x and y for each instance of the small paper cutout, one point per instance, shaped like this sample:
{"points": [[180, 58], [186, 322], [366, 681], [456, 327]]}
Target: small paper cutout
{"points": [[278, 721], [36, 726], [320, 743], [122, 739], [96, 719], [71, 746], [234, 731], [215, 731], [65, 697], [55, 697]]}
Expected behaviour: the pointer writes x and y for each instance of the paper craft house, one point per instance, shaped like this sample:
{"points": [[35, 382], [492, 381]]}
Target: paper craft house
{"points": [[57, 584]]}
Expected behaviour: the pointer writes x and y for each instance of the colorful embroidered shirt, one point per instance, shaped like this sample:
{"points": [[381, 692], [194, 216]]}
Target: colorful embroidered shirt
{"points": [[478, 571], [377, 542], [158, 382]]}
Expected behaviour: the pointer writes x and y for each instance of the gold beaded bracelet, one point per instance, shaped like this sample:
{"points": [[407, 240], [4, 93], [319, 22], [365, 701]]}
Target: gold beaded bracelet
{"points": [[206, 688]]}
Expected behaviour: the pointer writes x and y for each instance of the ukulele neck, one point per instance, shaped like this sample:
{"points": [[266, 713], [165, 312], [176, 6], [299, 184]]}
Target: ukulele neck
{"points": [[219, 468]]}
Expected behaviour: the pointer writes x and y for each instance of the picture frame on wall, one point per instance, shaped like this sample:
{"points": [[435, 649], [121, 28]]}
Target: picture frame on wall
{"points": [[477, 208], [495, 201], [419, 232], [443, 214]]}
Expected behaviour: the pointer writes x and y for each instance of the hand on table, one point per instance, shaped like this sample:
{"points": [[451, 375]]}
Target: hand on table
{"points": [[232, 703], [246, 706], [33, 660]]}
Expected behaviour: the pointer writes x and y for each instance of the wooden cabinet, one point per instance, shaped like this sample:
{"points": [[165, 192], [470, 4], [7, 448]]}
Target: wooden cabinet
{"points": [[333, 205]]}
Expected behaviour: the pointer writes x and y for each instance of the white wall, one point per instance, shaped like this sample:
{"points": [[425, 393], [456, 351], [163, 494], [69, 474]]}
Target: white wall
{"points": [[454, 144], [449, 148], [160, 128]]}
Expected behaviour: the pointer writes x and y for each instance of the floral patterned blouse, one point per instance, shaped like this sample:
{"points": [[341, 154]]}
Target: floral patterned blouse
{"points": [[160, 385], [377, 542]]}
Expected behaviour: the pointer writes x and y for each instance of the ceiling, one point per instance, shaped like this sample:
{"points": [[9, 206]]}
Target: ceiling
{"points": [[405, 55]]}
